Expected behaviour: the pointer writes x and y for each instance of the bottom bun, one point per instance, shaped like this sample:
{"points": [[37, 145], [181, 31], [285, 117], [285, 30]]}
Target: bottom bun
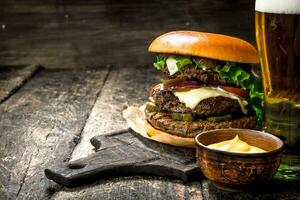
{"points": [[167, 138]]}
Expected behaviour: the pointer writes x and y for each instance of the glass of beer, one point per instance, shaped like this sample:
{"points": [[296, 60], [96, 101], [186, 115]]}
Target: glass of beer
{"points": [[277, 25]]}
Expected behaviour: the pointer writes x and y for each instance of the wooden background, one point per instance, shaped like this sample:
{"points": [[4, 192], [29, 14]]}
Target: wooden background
{"points": [[78, 33], [47, 116]]}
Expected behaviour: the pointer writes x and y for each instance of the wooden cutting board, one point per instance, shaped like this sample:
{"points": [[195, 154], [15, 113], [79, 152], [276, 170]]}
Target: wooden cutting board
{"points": [[127, 153]]}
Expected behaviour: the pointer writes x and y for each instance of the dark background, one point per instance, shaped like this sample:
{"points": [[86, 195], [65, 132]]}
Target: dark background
{"points": [[67, 34]]}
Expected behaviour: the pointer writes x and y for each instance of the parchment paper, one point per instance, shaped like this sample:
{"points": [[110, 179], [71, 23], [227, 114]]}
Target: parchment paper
{"points": [[135, 118]]}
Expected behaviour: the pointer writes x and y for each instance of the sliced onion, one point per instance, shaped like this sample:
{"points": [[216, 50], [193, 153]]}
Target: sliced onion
{"points": [[154, 88]]}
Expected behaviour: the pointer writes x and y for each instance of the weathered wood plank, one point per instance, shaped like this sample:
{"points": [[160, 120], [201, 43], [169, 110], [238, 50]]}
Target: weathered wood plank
{"points": [[40, 125], [134, 188], [274, 190], [125, 85], [13, 77], [81, 33]]}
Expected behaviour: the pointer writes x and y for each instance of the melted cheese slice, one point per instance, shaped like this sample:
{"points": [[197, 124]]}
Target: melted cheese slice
{"points": [[171, 65], [191, 98]]}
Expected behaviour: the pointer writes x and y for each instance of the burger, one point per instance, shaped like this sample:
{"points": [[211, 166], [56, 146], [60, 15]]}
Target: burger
{"points": [[208, 83]]}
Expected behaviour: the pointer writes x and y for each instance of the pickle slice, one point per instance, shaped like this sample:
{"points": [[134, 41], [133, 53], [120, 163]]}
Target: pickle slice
{"points": [[219, 118], [150, 106], [182, 116]]}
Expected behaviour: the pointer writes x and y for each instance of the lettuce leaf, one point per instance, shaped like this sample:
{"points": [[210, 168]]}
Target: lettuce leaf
{"points": [[160, 62], [256, 98], [201, 65], [233, 74], [182, 61]]}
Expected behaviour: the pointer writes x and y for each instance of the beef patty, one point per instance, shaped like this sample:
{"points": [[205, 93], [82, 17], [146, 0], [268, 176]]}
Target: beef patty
{"points": [[190, 72], [164, 122], [214, 106]]}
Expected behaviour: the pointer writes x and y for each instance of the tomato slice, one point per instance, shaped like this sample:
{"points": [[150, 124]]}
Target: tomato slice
{"points": [[238, 91]]}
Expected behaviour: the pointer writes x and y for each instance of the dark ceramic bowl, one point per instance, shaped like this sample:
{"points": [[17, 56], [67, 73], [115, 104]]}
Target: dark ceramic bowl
{"points": [[230, 170]]}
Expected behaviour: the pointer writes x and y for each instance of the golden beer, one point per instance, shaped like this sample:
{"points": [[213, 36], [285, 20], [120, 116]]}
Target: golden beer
{"points": [[278, 40]]}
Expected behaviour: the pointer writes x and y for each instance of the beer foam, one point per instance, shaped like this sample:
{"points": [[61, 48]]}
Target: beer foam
{"points": [[278, 6]]}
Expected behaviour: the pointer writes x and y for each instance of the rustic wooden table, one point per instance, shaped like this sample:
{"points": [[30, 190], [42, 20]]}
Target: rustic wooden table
{"points": [[47, 116]]}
